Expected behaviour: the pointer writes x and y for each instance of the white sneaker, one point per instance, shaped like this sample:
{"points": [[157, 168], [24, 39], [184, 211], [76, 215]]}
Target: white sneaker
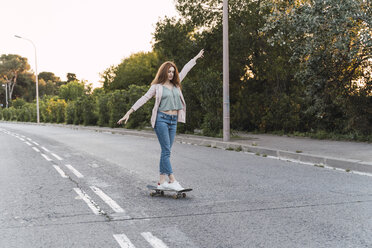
{"points": [[175, 186], [163, 185]]}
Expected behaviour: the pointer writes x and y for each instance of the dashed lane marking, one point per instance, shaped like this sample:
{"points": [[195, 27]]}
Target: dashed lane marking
{"points": [[107, 200], [60, 171], [56, 156], [45, 149], [91, 204], [35, 149], [75, 171], [46, 157], [123, 241], [154, 241]]}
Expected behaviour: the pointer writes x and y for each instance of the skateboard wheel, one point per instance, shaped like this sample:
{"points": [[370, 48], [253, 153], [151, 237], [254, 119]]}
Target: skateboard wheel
{"points": [[183, 195], [162, 193], [152, 193], [175, 196]]}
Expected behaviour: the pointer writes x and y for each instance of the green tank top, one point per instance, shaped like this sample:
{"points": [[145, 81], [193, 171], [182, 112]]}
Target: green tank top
{"points": [[170, 99]]}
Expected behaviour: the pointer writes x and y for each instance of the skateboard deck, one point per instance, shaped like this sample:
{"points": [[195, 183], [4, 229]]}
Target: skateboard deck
{"points": [[178, 193]]}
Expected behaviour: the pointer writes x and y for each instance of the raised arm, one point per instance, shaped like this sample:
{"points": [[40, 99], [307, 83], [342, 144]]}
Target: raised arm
{"points": [[190, 65]]}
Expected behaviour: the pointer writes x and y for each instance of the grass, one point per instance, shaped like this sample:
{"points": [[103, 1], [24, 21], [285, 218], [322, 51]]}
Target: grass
{"points": [[239, 149]]}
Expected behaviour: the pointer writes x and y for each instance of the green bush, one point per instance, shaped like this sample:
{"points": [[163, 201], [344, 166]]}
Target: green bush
{"points": [[70, 112], [117, 106], [103, 109], [142, 117], [78, 111], [89, 106], [121, 101], [55, 110]]}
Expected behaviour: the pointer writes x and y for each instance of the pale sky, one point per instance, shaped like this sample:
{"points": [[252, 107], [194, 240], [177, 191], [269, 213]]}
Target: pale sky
{"points": [[84, 37]]}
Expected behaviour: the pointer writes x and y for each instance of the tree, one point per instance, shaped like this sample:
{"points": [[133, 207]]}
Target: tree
{"points": [[71, 91], [331, 42], [256, 67], [139, 69], [48, 76], [11, 66], [71, 77]]}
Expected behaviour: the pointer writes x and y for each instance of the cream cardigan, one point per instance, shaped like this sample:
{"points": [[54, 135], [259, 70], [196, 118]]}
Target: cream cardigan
{"points": [[157, 91]]}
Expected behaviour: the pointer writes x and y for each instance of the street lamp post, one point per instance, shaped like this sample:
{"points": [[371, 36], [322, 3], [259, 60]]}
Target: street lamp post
{"points": [[37, 81], [6, 94], [226, 97]]}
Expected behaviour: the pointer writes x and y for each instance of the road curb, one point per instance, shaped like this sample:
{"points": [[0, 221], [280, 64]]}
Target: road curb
{"points": [[347, 165]]}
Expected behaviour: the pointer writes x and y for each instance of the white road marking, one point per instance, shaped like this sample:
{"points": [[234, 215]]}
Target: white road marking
{"points": [[76, 172], [46, 157], [45, 149], [29, 139], [56, 156], [154, 241], [91, 204], [60, 171], [123, 241], [21, 139], [35, 143], [28, 143], [36, 150], [107, 199]]}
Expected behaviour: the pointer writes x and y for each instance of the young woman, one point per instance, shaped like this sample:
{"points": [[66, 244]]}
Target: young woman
{"points": [[169, 108]]}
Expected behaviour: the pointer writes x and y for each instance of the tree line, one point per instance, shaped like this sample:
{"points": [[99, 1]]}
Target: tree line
{"points": [[295, 66]]}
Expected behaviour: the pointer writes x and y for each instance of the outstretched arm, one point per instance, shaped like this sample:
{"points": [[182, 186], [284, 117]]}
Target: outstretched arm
{"points": [[126, 117], [190, 64], [149, 94]]}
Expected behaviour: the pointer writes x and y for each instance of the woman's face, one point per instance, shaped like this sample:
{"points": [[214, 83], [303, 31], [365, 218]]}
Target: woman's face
{"points": [[170, 73]]}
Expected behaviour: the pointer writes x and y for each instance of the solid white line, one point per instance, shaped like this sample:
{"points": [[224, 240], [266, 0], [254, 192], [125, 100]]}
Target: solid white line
{"points": [[21, 139], [77, 173], [154, 241], [123, 241], [28, 143], [36, 150], [35, 143], [46, 157], [60, 171], [45, 149], [56, 156], [91, 204], [107, 199]]}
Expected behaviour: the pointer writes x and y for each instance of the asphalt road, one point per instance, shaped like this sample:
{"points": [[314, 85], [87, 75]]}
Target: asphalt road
{"points": [[61, 187]]}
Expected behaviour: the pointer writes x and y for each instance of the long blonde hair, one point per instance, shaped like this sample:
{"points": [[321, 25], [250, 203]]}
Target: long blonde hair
{"points": [[162, 74]]}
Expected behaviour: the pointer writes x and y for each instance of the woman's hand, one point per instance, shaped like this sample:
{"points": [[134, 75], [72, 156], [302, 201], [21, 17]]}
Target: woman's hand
{"points": [[200, 54], [125, 118]]}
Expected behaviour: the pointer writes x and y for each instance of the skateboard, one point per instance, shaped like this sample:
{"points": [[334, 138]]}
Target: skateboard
{"points": [[178, 194]]}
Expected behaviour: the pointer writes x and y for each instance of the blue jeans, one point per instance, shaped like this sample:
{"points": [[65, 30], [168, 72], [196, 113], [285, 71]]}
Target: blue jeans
{"points": [[165, 129]]}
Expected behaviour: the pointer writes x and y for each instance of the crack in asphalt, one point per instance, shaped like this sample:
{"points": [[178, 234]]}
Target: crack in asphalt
{"points": [[110, 219], [100, 211]]}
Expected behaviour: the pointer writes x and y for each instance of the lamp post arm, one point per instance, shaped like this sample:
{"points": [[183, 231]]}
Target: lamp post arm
{"points": [[37, 80]]}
